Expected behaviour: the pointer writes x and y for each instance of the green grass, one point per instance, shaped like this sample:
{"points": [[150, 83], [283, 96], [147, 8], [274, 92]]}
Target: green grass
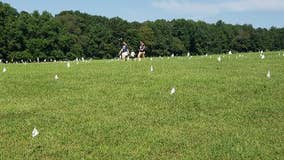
{"points": [[120, 110]]}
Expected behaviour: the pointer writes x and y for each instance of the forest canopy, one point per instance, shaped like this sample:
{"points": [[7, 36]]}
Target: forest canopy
{"points": [[71, 34]]}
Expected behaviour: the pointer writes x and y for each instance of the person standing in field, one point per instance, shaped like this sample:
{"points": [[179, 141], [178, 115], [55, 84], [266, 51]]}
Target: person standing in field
{"points": [[142, 48], [124, 52]]}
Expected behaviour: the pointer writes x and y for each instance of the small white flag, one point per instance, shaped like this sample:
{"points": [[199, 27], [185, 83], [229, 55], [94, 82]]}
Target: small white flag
{"points": [[35, 132], [219, 59], [268, 75], [56, 77], [262, 56], [173, 91], [4, 70], [68, 64], [151, 69]]}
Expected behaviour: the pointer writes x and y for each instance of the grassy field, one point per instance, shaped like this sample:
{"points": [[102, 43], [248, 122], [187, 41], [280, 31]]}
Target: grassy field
{"points": [[120, 110]]}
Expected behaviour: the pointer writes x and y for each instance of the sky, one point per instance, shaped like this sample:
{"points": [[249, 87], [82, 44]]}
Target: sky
{"points": [[259, 13]]}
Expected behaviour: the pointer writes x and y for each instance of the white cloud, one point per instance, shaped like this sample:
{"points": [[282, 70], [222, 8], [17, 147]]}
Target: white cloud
{"points": [[210, 8]]}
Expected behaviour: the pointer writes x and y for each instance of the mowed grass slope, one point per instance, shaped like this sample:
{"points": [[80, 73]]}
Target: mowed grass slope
{"points": [[120, 110]]}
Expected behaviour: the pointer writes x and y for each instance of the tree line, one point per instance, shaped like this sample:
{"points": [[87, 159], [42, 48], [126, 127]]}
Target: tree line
{"points": [[72, 34]]}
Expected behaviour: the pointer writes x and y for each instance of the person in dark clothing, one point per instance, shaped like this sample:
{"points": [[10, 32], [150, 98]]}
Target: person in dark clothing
{"points": [[124, 52], [142, 48]]}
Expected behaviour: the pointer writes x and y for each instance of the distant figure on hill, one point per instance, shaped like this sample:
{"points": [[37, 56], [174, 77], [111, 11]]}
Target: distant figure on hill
{"points": [[142, 48], [124, 52]]}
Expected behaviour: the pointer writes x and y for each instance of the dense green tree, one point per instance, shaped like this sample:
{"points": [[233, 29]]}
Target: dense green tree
{"points": [[71, 34]]}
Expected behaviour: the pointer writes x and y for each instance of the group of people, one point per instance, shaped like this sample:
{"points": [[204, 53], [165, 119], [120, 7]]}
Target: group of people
{"points": [[124, 53]]}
